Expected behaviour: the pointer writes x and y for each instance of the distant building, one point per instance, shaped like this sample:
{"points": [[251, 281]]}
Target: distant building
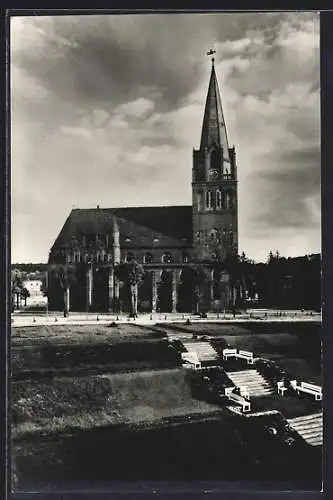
{"points": [[169, 241], [33, 287]]}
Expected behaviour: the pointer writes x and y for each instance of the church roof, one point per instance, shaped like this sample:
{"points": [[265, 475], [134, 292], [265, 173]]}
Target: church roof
{"points": [[213, 128], [138, 226]]}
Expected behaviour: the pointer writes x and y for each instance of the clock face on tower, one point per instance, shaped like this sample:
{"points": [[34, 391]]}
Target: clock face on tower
{"points": [[214, 173]]}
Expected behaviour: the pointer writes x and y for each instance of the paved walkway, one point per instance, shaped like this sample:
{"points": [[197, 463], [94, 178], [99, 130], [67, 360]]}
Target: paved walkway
{"points": [[22, 319]]}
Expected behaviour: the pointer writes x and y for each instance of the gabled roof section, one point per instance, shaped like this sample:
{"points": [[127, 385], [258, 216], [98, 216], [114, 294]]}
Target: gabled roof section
{"points": [[138, 226], [213, 128]]}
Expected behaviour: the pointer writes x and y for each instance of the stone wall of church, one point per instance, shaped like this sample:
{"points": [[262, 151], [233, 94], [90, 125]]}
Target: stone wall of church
{"points": [[141, 255], [165, 288]]}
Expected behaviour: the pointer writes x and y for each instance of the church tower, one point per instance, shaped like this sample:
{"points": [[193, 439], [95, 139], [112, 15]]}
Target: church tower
{"points": [[214, 184]]}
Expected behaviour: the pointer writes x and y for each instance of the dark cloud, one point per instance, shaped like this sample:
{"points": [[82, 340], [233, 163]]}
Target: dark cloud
{"points": [[81, 63], [289, 193]]}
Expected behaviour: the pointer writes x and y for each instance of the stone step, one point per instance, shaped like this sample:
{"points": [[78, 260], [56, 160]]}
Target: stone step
{"points": [[305, 433], [245, 372], [308, 424], [311, 435], [309, 427], [250, 382], [250, 378], [203, 350], [315, 441], [263, 390], [304, 418], [254, 383], [318, 441]]}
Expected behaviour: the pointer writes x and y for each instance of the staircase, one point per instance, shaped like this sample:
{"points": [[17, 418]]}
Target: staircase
{"points": [[252, 380], [204, 350], [309, 427]]}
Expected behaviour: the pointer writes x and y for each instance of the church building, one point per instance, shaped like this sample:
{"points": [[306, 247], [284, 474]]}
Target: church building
{"points": [[172, 243]]}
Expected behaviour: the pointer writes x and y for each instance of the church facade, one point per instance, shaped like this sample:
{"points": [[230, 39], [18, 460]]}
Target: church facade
{"points": [[181, 248]]}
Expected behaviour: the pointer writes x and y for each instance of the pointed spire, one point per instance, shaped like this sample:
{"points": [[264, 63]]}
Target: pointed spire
{"points": [[115, 228], [213, 127]]}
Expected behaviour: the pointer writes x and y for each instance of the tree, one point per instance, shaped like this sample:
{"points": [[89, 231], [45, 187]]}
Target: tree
{"points": [[16, 286], [44, 285], [199, 279], [25, 294], [131, 274], [271, 257], [65, 275]]}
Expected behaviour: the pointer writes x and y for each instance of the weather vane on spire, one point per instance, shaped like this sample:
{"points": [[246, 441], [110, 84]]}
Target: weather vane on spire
{"points": [[211, 52]]}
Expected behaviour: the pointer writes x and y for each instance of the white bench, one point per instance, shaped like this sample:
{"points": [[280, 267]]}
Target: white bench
{"points": [[316, 390], [236, 398], [190, 360], [246, 355], [229, 353], [281, 388], [244, 392]]}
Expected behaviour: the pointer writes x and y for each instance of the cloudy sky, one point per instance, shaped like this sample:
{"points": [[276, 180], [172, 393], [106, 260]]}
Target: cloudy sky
{"points": [[106, 110]]}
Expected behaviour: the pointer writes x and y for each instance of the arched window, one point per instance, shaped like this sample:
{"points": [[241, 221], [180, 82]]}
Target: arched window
{"points": [[148, 258], [215, 256], [216, 291], [227, 200], [185, 257], [166, 258], [214, 160], [129, 257], [199, 201], [214, 234], [219, 202], [209, 199]]}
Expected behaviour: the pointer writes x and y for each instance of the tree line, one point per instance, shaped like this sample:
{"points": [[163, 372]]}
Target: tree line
{"points": [[293, 282]]}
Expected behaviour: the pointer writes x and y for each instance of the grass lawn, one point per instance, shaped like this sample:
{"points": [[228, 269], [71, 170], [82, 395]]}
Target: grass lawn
{"points": [[289, 405], [212, 329], [73, 397], [302, 370], [71, 348], [86, 402], [77, 334]]}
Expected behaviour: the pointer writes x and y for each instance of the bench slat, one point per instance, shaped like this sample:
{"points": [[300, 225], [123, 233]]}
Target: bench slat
{"points": [[311, 387]]}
